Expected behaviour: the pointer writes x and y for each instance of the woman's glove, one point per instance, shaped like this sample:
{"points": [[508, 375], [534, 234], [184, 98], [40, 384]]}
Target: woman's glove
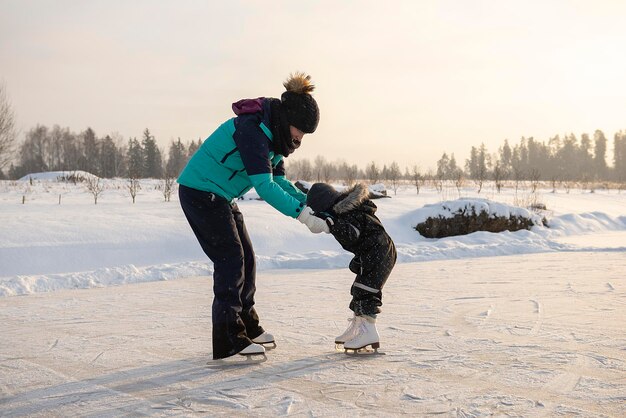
{"points": [[315, 224]]}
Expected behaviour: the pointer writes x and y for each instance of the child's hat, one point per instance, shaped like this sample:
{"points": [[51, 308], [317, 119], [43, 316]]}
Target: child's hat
{"points": [[299, 106], [321, 197]]}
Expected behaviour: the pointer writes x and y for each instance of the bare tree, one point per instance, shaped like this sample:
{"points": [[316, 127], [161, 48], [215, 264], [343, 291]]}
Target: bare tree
{"points": [[94, 186], [481, 176], [168, 185], [133, 187], [459, 180], [319, 165], [567, 185], [417, 178], [306, 170], [438, 180], [554, 180], [299, 170], [349, 173], [7, 129], [585, 181], [394, 175], [535, 176], [372, 172], [518, 174], [498, 176], [326, 172]]}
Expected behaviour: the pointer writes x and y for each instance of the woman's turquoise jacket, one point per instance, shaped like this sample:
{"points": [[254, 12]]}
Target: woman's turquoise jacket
{"points": [[237, 157]]}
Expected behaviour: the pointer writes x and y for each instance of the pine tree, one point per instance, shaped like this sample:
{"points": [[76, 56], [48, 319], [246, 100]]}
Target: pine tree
{"points": [[453, 169], [566, 167], [471, 165], [135, 159], [484, 162], [619, 156], [176, 160], [443, 167], [108, 158], [506, 155], [193, 147], [91, 153], [70, 151], [153, 162], [599, 159], [585, 166]]}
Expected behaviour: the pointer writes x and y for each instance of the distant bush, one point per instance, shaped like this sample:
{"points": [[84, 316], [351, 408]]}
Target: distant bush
{"points": [[467, 219], [72, 178], [538, 206]]}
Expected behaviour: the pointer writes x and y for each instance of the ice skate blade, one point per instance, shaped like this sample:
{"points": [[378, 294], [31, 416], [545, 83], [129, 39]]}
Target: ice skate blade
{"points": [[363, 352], [238, 360], [366, 349]]}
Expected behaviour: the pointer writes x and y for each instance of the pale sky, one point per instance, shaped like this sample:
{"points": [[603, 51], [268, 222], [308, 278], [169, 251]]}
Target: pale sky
{"points": [[396, 81]]}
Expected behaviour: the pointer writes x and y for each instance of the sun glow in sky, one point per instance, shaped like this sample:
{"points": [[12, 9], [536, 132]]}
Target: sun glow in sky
{"points": [[396, 81]]}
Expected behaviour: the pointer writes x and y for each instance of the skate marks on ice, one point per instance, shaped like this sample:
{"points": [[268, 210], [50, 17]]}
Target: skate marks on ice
{"points": [[460, 340], [187, 386], [557, 342], [99, 358]]}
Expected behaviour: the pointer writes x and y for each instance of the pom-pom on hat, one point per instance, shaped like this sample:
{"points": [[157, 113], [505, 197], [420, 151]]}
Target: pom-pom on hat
{"points": [[298, 105]]}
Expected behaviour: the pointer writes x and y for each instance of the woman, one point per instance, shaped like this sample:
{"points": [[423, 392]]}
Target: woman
{"points": [[244, 152]]}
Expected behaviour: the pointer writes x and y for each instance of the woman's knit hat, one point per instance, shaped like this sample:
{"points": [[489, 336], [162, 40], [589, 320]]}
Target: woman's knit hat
{"points": [[299, 107]]}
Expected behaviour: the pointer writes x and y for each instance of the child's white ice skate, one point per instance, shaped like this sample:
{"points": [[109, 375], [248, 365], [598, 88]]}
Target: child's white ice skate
{"points": [[266, 340], [366, 335], [349, 333]]}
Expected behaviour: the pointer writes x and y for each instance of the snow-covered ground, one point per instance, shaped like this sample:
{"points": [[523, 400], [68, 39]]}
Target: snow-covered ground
{"points": [[46, 246], [529, 323]]}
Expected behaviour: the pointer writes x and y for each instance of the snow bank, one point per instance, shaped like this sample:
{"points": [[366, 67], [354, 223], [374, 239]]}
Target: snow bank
{"points": [[58, 176], [46, 246]]}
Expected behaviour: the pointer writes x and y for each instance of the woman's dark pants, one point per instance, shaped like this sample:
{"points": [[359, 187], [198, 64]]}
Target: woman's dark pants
{"points": [[220, 229]]}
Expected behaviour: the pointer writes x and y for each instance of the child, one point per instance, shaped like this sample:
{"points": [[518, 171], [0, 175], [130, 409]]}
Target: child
{"points": [[352, 221]]}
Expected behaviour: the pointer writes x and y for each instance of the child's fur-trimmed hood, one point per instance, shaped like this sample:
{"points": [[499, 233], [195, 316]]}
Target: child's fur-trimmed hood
{"points": [[351, 198]]}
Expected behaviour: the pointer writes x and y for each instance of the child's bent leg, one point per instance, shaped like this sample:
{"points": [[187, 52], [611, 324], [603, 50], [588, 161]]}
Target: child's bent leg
{"points": [[365, 300], [367, 288]]}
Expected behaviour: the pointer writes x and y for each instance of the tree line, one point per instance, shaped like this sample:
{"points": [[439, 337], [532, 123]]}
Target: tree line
{"points": [[561, 158], [59, 149], [565, 158]]}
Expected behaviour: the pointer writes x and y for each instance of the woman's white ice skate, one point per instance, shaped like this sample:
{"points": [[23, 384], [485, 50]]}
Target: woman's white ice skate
{"points": [[366, 335], [266, 340], [254, 353], [252, 349]]}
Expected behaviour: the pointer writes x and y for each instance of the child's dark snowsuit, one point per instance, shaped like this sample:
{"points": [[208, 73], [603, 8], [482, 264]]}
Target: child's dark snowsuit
{"points": [[352, 220]]}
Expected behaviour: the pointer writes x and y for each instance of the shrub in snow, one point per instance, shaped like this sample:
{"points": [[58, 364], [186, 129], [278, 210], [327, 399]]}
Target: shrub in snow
{"points": [[464, 216], [538, 206], [73, 176]]}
